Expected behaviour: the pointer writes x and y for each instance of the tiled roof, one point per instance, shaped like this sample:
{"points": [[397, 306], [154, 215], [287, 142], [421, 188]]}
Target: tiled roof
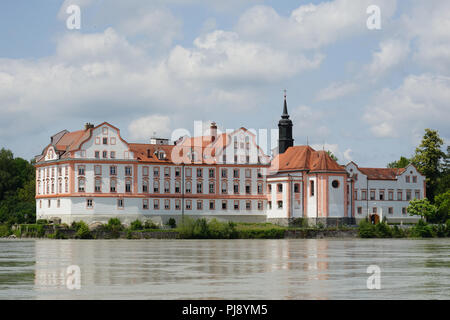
{"points": [[305, 158], [382, 173]]}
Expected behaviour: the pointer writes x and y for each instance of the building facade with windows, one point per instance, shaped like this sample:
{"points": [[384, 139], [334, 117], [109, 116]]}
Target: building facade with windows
{"points": [[94, 175]]}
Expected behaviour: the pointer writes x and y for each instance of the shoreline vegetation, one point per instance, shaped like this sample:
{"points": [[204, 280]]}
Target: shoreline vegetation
{"points": [[214, 229]]}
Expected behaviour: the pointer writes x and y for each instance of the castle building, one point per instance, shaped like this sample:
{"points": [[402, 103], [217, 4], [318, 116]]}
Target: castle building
{"points": [[94, 174]]}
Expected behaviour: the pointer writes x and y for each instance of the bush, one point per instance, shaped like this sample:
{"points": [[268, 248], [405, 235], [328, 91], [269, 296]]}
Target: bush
{"points": [[366, 229], [82, 230], [422, 229], [5, 231], [149, 224], [202, 229], [172, 223], [114, 224], [397, 232], [42, 221], [300, 223], [382, 230], [222, 230], [136, 225]]}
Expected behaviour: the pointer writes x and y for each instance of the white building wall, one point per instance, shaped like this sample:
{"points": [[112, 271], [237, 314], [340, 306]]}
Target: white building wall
{"points": [[336, 197]]}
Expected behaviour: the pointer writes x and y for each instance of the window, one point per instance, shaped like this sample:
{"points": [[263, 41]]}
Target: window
{"points": [[113, 170], [145, 204], [224, 187], [128, 186], [280, 204], [399, 195], [359, 210], [258, 173], [167, 204], [248, 188], [414, 179], [372, 194], [236, 204], [381, 194], [98, 170], [177, 204], [248, 205], [374, 209], [236, 187], [177, 187], [224, 204], [81, 183], [156, 204], [156, 172], [105, 130], [167, 172], [296, 188], [128, 171], [113, 141], [199, 173], [145, 186], [120, 203], [269, 188], [112, 185], [145, 171], [311, 187], [166, 186], [417, 194], [269, 204], [188, 172], [260, 205], [105, 140], [211, 173], [81, 170], [403, 210], [248, 173], [224, 173], [407, 179], [89, 203], [199, 204], [97, 154], [260, 188], [199, 187], [211, 204], [211, 187], [105, 154], [391, 195], [364, 195], [177, 172], [98, 185], [390, 210], [356, 195], [235, 173], [188, 187], [156, 186], [408, 195], [188, 204], [279, 188]]}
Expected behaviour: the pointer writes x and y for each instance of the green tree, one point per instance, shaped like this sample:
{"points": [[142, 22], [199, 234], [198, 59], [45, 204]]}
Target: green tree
{"points": [[401, 163], [332, 156], [427, 159], [423, 208], [443, 182], [442, 203]]}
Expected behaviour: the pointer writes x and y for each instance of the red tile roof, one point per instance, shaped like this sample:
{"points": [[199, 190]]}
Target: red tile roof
{"points": [[382, 173]]}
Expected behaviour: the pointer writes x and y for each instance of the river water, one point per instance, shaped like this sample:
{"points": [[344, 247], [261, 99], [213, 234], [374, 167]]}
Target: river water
{"points": [[225, 269]]}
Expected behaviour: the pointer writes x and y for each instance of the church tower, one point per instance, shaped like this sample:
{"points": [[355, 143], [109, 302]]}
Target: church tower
{"points": [[284, 130]]}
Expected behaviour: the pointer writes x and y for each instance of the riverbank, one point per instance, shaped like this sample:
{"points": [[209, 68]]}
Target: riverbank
{"points": [[213, 229]]}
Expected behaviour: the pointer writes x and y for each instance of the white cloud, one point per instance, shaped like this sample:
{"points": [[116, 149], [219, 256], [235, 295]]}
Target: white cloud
{"points": [[336, 90], [343, 157], [392, 53], [420, 102], [146, 127], [311, 26]]}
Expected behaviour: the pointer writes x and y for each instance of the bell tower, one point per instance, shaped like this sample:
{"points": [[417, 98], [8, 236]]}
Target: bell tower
{"points": [[285, 139]]}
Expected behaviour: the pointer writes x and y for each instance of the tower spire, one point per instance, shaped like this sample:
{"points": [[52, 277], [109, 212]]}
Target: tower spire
{"points": [[285, 139], [285, 114]]}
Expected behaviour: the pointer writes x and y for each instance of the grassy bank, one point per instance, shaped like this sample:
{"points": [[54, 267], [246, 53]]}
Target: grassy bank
{"points": [[214, 229]]}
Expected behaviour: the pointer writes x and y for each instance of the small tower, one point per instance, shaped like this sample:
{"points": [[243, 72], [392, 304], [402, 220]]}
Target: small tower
{"points": [[284, 130]]}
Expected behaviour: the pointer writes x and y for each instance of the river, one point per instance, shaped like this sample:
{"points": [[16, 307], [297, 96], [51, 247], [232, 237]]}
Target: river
{"points": [[225, 269]]}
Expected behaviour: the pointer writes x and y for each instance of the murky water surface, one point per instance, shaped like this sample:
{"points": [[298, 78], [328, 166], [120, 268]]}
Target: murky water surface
{"points": [[225, 269]]}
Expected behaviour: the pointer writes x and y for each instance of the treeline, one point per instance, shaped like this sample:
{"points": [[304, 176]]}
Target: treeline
{"points": [[431, 161], [17, 189]]}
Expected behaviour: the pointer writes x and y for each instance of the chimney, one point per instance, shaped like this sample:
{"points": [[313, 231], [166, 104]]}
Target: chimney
{"points": [[213, 131], [88, 126]]}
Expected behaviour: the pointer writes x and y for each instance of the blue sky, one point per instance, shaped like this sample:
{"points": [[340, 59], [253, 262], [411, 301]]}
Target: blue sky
{"points": [[155, 66]]}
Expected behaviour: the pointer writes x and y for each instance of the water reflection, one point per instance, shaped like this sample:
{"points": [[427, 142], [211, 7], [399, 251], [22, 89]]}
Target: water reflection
{"points": [[218, 269]]}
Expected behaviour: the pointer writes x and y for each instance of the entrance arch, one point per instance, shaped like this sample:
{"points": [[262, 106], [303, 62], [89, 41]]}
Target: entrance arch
{"points": [[374, 218]]}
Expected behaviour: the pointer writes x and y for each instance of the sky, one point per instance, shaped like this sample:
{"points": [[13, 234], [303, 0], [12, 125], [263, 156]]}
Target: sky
{"points": [[154, 66]]}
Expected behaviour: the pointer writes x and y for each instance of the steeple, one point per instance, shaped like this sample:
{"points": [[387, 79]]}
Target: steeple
{"points": [[284, 130]]}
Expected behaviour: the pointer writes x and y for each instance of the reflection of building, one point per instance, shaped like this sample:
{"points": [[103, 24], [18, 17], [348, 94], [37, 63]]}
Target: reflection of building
{"points": [[94, 174]]}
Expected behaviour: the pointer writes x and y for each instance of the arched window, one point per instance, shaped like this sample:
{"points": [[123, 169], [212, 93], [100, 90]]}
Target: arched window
{"points": [[188, 187], [166, 186], [224, 187], [145, 185], [81, 185], [156, 186], [236, 187], [177, 186]]}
